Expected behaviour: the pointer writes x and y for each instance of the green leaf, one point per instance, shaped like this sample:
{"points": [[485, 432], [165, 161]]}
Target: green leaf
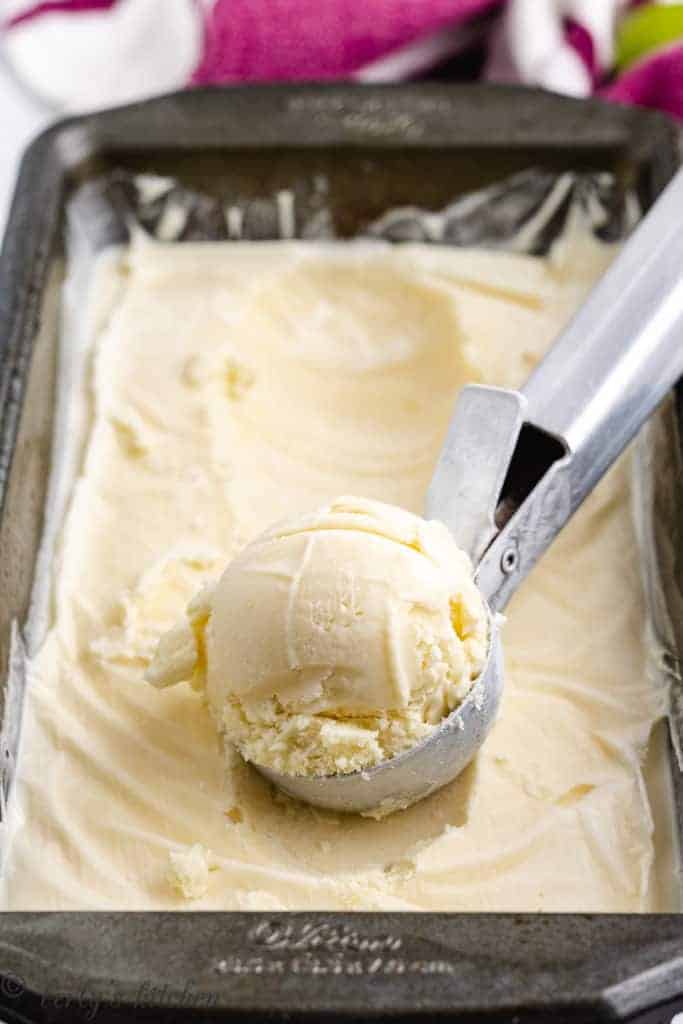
{"points": [[647, 29]]}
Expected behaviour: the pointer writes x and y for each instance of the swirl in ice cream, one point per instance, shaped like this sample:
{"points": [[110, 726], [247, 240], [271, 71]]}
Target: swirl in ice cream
{"points": [[333, 641]]}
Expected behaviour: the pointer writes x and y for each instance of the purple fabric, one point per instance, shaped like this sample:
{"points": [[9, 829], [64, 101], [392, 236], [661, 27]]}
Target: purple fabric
{"points": [[299, 40], [276, 40], [580, 39], [655, 81], [59, 6]]}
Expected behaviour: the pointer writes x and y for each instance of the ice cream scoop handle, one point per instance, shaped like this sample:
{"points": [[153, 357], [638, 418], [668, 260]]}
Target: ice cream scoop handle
{"points": [[621, 353], [603, 377]]}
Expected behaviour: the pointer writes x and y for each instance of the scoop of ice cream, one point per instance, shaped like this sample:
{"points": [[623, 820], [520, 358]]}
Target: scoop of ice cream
{"points": [[334, 641]]}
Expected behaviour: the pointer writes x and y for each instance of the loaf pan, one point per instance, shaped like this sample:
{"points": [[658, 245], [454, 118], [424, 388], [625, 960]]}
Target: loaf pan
{"points": [[378, 147]]}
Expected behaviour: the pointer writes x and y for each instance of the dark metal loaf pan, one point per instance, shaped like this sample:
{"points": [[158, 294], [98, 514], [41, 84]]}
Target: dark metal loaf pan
{"points": [[378, 147]]}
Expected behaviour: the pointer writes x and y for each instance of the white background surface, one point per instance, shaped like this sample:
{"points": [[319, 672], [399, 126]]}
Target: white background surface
{"points": [[138, 48], [21, 118]]}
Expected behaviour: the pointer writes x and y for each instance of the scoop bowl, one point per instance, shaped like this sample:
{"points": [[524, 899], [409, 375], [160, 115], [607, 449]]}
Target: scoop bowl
{"points": [[401, 781]]}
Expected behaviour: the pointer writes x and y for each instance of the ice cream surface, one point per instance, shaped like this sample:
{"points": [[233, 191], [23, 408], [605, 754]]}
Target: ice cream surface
{"points": [[335, 640], [225, 387]]}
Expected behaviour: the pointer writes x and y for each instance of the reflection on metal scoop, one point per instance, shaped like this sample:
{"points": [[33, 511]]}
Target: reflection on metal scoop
{"points": [[516, 465]]}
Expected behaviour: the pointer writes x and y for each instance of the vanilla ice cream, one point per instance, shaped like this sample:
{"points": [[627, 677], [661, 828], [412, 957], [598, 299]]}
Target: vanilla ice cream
{"points": [[232, 385], [335, 640]]}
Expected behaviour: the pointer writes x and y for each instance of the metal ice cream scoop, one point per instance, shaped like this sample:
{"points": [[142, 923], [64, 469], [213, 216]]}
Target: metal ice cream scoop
{"points": [[517, 464]]}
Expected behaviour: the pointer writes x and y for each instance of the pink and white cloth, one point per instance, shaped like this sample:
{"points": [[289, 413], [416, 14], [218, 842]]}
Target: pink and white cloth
{"points": [[85, 54]]}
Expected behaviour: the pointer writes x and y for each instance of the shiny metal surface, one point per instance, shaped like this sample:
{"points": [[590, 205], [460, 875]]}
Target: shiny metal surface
{"points": [[473, 465], [603, 377]]}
